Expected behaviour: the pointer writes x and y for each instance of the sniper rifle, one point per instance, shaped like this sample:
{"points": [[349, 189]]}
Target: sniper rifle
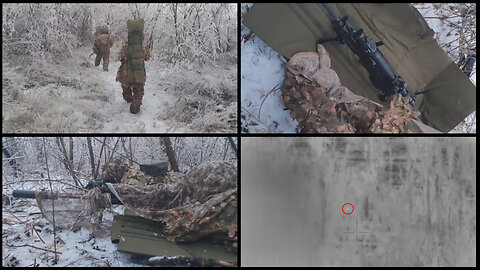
{"points": [[91, 184], [380, 72]]}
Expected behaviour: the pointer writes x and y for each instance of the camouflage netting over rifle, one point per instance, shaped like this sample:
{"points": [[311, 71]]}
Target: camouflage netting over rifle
{"points": [[320, 104], [188, 206], [200, 203], [73, 211]]}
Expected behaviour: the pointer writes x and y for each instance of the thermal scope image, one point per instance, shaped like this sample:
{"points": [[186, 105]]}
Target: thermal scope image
{"points": [[352, 201]]}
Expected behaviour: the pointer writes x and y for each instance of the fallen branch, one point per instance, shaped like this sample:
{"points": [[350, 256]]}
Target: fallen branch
{"points": [[28, 245], [14, 215], [275, 88], [33, 227], [4, 245], [39, 180], [258, 120]]}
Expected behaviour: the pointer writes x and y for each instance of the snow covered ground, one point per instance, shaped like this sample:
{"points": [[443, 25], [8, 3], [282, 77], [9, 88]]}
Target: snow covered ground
{"points": [[75, 96], [80, 248], [262, 72], [263, 69]]}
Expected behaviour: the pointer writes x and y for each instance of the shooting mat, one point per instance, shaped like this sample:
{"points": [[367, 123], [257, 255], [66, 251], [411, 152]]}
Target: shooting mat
{"points": [[409, 47]]}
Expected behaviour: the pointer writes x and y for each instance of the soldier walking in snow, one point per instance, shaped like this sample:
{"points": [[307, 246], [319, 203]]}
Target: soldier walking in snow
{"points": [[101, 47], [132, 74]]}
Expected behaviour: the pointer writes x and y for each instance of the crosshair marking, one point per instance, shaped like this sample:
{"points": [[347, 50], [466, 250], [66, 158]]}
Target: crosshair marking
{"points": [[356, 241], [349, 207]]}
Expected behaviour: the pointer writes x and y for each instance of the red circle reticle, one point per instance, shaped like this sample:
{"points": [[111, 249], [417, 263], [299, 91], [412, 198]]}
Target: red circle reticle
{"points": [[353, 209]]}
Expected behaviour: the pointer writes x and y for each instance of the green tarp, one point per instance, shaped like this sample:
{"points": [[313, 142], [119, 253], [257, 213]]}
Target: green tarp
{"points": [[143, 236], [409, 47]]}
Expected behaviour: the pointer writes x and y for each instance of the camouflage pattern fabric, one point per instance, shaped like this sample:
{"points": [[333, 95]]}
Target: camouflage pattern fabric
{"points": [[320, 104], [201, 203], [101, 48], [216, 217], [135, 177], [131, 92], [114, 170]]}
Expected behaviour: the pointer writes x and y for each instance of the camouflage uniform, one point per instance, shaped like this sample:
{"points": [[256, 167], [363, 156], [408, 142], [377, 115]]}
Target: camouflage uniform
{"points": [[132, 92], [101, 48]]}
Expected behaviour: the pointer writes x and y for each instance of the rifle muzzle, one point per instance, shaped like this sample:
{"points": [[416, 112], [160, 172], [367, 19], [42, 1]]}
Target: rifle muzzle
{"points": [[23, 194]]}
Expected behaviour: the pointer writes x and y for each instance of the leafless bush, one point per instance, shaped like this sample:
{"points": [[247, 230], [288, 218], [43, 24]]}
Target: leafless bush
{"points": [[205, 105], [42, 30]]}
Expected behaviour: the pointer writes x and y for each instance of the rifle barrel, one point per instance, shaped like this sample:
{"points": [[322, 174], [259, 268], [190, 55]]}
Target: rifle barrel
{"points": [[330, 12], [23, 194], [31, 195]]}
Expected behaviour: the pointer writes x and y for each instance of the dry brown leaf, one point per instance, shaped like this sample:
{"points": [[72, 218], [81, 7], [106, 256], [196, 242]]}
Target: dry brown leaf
{"points": [[308, 97], [332, 110]]}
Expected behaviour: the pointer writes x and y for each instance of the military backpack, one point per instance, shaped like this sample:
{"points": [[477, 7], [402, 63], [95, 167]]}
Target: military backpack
{"points": [[135, 54]]}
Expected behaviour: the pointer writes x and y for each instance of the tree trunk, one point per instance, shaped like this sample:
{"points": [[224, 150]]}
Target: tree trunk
{"points": [[175, 22], [90, 151], [66, 160], [100, 158], [13, 163], [232, 144], [114, 147], [170, 154], [71, 149], [225, 149], [130, 150]]}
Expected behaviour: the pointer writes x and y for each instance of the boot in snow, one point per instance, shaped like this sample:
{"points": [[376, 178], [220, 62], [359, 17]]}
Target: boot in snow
{"points": [[127, 94], [137, 99]]}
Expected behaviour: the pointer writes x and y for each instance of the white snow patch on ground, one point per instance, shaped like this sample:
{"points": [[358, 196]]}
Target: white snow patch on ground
{"points": [[262, 71], [80, 248]]}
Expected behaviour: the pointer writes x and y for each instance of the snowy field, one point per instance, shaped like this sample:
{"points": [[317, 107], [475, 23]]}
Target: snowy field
{"points": [[75, 96], [263, 69], [24, 227]]}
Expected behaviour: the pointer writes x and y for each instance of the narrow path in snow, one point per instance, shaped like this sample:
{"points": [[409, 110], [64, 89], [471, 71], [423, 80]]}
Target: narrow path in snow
{"points": [[71, 95], [155, 103]]}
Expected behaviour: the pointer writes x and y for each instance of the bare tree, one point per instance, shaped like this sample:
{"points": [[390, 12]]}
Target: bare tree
{"points": [[100, 158], [71, 149], [225, 149], [90, 151], [234, 147], [174, 7], [55, 260], [170, 154], [66, 160], [10, 141], [130, 150]]}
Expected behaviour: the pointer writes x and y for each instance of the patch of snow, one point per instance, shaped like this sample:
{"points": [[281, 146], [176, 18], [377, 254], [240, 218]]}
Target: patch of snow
{"points": [[262, 71]]}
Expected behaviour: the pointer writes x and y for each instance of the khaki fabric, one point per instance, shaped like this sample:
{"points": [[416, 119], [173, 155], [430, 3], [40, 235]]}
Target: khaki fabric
{"points": [[312, 92], [409, 47]]}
